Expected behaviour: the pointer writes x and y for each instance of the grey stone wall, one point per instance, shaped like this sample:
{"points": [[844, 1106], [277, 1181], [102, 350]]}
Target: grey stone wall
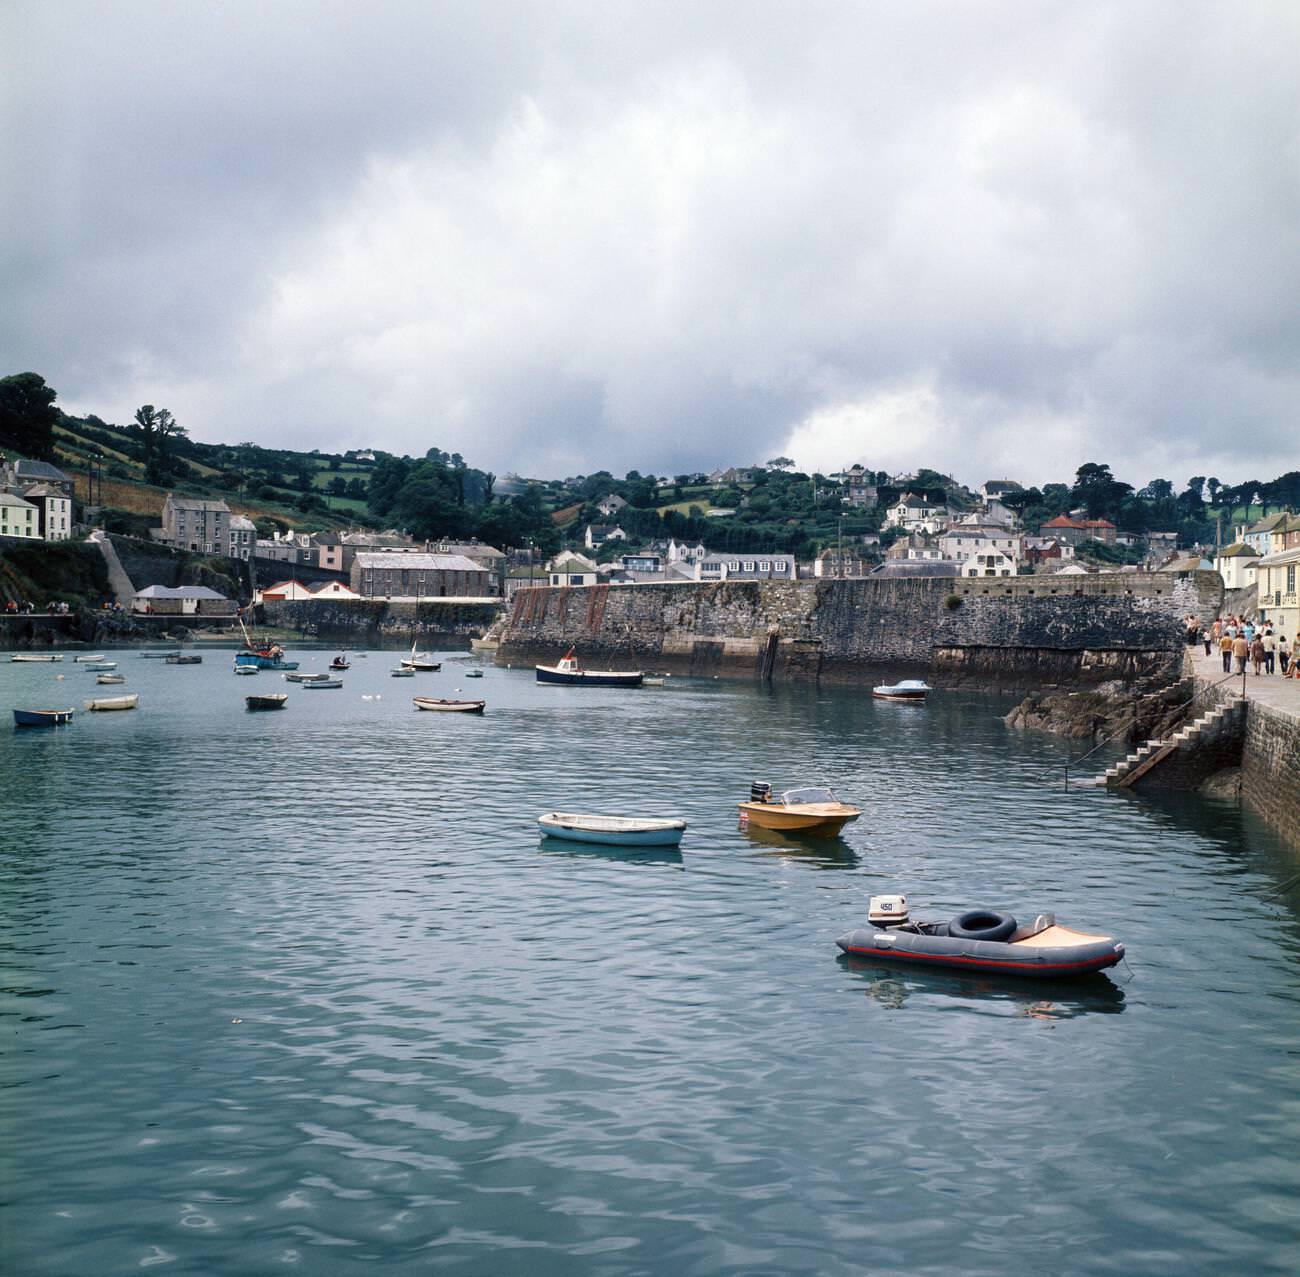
{"points": [[376, 622], [1270, 769], [1025, 631]]}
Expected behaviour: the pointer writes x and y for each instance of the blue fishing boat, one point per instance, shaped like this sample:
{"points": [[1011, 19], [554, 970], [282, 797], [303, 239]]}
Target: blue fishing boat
{"points": [[567, 670], [41, 717]]}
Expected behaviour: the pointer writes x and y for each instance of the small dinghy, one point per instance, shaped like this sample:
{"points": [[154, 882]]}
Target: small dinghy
{"points": [[449, 707], [910, 689], [340, 663], [320, 682], [114, 702], [401, 672], [99, 667], [272, 700], [473, 673], [110, 678], [160, 654], [32, 658], [616, 831], [812, 809], [979, 940], [181, 658], [246, 670], [302, 678], [89, 658], [41, 717]]}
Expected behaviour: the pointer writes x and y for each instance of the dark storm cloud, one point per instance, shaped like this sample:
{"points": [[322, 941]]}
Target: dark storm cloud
{"points": [[996, 238]]}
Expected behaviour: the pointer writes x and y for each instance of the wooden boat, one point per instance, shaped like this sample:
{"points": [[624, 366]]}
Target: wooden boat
{"points": [[402, 672], [114, 702], [41, 717], [110, 678], [340, 663], [249, 669], [320, 682], [473, 673], [303, 678], [100, 667], [33, 658], [159, 654], [812, 809], [618, 831], [567, 670], [272, 700], [980, 940], [88, 658], [184, 659], [449, 707], [910, 689]]}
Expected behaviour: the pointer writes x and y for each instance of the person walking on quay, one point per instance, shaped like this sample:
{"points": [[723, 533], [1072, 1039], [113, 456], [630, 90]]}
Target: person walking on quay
{"points": [[1207, 638], [1257, 653], [1240, 651], [1225, 647], [1270, 649], [1283, 653]]}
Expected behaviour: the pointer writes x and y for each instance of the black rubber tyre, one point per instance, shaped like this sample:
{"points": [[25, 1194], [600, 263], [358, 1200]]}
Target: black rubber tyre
{"points": [[982, 924]]}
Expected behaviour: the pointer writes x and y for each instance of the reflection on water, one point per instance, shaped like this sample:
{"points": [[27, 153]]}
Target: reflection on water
{"points": [[305, 990], [607, 851], [1039, 999]]}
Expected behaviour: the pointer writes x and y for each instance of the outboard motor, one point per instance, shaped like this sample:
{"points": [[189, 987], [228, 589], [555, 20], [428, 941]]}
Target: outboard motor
{"points": [[887, 911], [760, 792]]}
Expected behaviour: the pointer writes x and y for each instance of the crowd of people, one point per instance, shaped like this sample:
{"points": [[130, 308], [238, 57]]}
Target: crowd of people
{"points": [[25, 607], [1245, 647]]}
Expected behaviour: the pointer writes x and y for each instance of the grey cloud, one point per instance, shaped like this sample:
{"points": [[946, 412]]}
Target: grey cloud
{"points": [[569, 236]]}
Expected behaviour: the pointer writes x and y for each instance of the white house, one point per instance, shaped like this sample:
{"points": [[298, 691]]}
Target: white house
{"points": [[1279, 600], [982, 549], [611, 504], [54, 510], [570, 568], [243, 537], [18, 518], [182, 600], [916, 514], [284, 592], [746, 567], [684, 552], [1236, 565], [332, 590], [598, 533]]}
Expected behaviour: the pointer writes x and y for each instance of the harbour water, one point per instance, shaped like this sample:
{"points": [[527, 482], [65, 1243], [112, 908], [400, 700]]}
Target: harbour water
{"points": [[303, 991]]}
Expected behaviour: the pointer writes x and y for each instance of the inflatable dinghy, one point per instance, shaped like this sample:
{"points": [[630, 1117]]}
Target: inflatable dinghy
{"points": [[979, 940]]}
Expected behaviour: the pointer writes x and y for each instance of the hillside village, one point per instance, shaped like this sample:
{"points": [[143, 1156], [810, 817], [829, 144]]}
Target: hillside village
{"points": [[368, 525]]}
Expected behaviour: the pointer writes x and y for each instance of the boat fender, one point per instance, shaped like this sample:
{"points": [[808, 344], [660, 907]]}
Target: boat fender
{"points": [[982, 924]]}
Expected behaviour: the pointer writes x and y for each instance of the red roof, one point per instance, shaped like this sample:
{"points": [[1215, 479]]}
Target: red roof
{"points": [[1097, 523], [1064, 521]]}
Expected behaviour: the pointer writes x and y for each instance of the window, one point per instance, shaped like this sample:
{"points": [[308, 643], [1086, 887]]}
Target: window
{"points": [[749, 565], [764, 567], [734, 565]]}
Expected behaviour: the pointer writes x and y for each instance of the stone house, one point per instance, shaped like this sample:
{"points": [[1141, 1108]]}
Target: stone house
{"points": [[488, 557], [862, 488], [611, 504], [19, 517], [191, 524], [182, 600], [841, 563], [1259, 536], [383, 574], [22, 474]]}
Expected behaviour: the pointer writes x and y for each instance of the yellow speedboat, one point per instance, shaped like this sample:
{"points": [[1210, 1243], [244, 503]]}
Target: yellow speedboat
{"points": [[813, 809]]}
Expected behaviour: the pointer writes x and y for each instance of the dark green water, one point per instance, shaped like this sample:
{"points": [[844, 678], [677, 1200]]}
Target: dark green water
{"points": [[304, 992]]}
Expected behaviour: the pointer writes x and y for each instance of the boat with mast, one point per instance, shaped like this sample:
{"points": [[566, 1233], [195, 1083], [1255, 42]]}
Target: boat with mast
{"points": [[265, 656]]}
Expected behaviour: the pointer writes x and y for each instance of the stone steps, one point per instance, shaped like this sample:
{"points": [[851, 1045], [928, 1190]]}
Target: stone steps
{"points": [[1143, 756]]}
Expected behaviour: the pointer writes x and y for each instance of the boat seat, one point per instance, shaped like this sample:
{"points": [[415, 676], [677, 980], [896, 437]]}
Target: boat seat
{"points": [[1039, 924]]}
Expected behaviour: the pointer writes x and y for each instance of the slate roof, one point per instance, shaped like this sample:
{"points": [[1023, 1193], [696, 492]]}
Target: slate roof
{"points": [[419, 562], [178, 592]]}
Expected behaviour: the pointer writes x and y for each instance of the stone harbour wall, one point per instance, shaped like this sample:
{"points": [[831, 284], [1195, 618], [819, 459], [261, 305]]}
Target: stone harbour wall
{"points": [[1270, 768], [1009, 632], [383, 623]]}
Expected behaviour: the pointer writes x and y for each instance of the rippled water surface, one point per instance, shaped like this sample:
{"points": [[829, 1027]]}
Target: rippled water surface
{"points": [[305, 991]]}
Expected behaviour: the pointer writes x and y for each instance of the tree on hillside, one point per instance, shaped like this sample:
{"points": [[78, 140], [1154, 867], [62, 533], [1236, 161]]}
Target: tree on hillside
{"points": [[146, 429], [1098, 491], [28, 415], [780, 463]]}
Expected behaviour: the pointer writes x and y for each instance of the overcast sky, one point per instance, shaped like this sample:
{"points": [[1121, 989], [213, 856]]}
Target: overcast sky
{"points": [[999, 239]]}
